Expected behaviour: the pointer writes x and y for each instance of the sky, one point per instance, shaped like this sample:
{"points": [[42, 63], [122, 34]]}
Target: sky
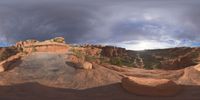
{"points": [[132, 24]]}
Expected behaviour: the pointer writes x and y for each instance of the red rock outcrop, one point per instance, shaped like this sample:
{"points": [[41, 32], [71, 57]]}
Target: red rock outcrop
{"points": [[78, 62], [22, 44], [72, 58], [178, 63], [4, 65], [170, 59], [7, 52], [46, 46], [93, 51], [197, 67], [150, 86], [181, 61], [191, 76], [78, 81], [111, 51]]}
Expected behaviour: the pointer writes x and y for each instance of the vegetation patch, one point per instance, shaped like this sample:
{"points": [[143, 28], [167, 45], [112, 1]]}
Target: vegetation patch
{"points": [[34, 49], [90, 58], [58, 40], [120, 61]]}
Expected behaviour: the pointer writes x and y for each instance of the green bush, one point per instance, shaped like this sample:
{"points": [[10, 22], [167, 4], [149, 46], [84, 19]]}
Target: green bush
{"points": [[90, 58], [78, 54], [59, 40], [116, 61], [34, 49], [104, 59], [152, 65]]}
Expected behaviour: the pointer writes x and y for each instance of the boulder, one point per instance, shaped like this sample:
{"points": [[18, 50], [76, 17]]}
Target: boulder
{"points": [[150, 86], [73, 59], [84, 65], [76, 62], [197, 67]]}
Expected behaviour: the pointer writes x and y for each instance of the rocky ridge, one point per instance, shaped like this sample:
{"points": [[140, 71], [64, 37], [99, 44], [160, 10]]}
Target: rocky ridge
{"points": [[126, 74]]}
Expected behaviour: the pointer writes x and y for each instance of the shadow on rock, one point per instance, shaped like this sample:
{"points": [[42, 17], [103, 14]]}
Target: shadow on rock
{"points": [[35, 91], [13, 64]]}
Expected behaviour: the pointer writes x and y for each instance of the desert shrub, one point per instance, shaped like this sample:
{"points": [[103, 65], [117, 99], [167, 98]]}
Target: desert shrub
{"points": [[58, 40], [116, 61], [119, 61], [128, 64], [78, 54], [34, 49], [90, 58], [152, 65], [104, 59], [194, 54], [72, 49], [150, 62]]}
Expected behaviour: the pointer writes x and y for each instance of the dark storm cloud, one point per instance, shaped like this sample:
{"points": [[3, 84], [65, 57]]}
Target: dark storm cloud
{"points": [[43, 21], [101, 21]]}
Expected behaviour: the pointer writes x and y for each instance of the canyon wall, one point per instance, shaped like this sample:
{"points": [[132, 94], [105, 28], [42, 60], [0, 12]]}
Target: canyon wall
{"points": [[111, 51]]}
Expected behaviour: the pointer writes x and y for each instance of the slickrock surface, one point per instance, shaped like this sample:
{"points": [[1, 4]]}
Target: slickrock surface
{"points": [[52, 70], [7, 64], [150, 86], [46, 76], [47, 71]]}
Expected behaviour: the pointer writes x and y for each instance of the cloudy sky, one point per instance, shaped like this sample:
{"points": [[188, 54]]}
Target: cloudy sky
{"points": [[133, 24]]}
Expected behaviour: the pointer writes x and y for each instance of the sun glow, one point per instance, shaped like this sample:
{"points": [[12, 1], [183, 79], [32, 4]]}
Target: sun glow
{"points": [[144, 45]]}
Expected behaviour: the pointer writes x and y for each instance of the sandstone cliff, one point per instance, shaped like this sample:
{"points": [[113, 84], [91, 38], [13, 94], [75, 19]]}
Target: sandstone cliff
{"points": [[53, 45], [111, 51]]}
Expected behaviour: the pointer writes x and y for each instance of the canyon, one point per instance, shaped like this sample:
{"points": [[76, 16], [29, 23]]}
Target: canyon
{"points": [[53, 69]]}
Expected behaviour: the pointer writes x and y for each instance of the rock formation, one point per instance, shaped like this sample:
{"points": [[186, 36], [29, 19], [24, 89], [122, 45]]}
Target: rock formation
{"points": [[72, 58], [26, 43], [53, 45], [150, 86], [84, 65], [172, 58], [138, 62], [86, 72], [111, 51], [6, 52], [197, 67], [78, 63], [190, 76], [6, 64]]}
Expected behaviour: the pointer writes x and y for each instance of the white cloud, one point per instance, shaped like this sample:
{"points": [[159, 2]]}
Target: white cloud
{"points": [[153, 44]]}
